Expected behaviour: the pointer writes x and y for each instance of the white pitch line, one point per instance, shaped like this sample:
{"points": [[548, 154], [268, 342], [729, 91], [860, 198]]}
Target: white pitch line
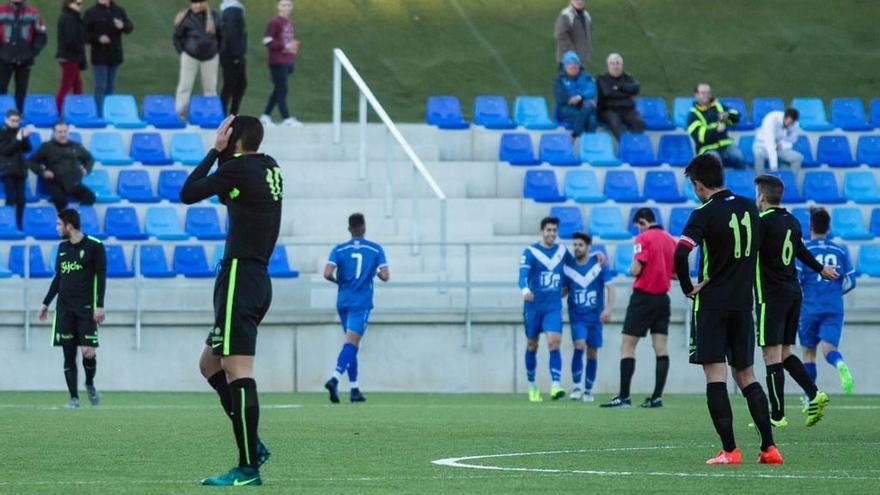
{"points": [[140, 407]]}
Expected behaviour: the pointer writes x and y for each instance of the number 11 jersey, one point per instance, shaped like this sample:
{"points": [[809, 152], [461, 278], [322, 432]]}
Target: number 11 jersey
{"points": [[357, 262]]}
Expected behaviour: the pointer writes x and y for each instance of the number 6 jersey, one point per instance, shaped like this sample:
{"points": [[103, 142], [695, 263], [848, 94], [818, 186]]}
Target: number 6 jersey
{"points": [[781, 244]]}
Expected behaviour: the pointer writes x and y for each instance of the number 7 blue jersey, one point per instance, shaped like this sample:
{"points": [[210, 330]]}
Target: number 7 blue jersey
{"points": [[357, 262]]}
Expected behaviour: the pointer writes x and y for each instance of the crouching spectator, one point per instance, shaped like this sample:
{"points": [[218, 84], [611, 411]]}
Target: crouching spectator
{"points": [[774, 141], [575, 95], [617, 108], [63, 163]]}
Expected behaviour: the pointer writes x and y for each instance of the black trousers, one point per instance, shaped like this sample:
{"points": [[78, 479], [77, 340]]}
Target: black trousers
{"points": [[280, 74], [22, 76], [234, 83], [616, 119], [15, 197], [58, 196]]}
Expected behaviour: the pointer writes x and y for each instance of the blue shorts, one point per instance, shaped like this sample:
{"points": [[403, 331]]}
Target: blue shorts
{"points": [[354, 320], [827, 327], [537, 321], [589, 330]]}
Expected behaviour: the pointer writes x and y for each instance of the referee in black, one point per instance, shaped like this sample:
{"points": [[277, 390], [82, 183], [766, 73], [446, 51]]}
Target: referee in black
{"points": [[250, 185], [725, 227], [80, 282]]}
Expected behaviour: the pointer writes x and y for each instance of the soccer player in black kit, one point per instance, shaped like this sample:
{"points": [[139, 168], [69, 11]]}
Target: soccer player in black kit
{"points": [[725, 228], [80, 282], [250, 185]]}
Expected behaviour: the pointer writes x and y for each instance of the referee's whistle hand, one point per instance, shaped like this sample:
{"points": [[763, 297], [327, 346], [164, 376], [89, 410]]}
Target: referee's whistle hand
{"points": [[829, 272], [698, 287], [43, 314]]}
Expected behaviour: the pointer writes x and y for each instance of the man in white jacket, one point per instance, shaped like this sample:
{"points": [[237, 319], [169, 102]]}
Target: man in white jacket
{"points": [[774, 141]]}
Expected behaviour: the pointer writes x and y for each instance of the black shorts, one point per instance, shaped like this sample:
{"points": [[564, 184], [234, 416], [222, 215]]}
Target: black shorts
{"points": [[647, 312], [74, 327], [778, 322], [242, 295], [719, 335]]}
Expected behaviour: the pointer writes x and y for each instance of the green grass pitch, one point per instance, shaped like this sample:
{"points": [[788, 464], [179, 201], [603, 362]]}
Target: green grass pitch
{"points": [[165, 443]]}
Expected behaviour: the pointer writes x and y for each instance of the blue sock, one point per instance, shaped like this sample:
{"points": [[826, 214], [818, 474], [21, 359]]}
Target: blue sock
{"points": [[353, 368], [833, 358], [592, 366], [811, 370], [345, 356], [577, 366], [531, 365], [555, 365]]}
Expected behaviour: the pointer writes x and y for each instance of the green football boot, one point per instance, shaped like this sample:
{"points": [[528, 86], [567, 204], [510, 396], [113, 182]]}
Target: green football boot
{"points": [[237, 476]]}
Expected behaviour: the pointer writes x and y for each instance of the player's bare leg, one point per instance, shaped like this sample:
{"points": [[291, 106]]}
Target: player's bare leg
{"points": [[90, 366]]}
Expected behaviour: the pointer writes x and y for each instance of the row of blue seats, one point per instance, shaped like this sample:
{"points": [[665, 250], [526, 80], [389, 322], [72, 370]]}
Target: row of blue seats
{"points": [[608, 222], [675, 149], [531, 112], [123, 223], [662, 186], [189, 261], [119, 111], [148, 148], [132, 185]]}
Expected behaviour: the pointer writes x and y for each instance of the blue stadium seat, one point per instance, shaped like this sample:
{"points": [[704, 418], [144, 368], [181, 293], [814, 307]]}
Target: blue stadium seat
{"points": [[187, 148], [89, 223], [36, 262], [122, 223], [802, 146], [206, 111], [516, 149], [191, 262], [218, 255], [869, 260], [736, 103], [741, 182], [675, 149], [170, 183], [40, 110], [848, 224], [98, 181], [633, 229], [582, 186], [874, 225], [834, 151], [597, 149], [107, 148], [570, 220], [39, 222], [5, 272], [148, 148], [7, 103], [803, 216], [121, 111], [36, 140], [861, 187], [681, 107], [637, 150], [623, 255], [654, 113], [746, 141], [849, 114], [678, 218], [607, 222], [821, 187], [82, 111], [761, 106], [531, 113], [162, 223], [135, 186], [8, 226], [117, 265], [445, 113], [540, 185], [689, 193], [558, 149], [812, 114], [622, 186], [159, 112], [662, 187], [868, 150], [204, 223], [874, 113], [153, 262], [790, 194], [279, 265], [491, 112]]}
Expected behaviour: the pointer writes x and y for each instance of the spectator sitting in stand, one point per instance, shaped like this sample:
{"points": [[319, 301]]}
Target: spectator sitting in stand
{"points": [[575, 95], [616, 92]]}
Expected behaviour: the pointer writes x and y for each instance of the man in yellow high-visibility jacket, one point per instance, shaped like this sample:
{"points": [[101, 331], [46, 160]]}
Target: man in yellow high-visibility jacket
{"points": [[707, 124]]}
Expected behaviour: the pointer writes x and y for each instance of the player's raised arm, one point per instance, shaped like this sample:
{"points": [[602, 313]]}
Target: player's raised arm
{"points": [[199, 185]]}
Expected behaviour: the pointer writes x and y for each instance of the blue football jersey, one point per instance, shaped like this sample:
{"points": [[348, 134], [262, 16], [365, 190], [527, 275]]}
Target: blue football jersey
{"points": [[540, 270], [586, 287], [357, 262], [826, 296]]}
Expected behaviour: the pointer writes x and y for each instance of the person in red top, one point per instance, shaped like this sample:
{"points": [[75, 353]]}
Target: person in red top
{"points": [[283, 47], [653, 268], [22, 38]]}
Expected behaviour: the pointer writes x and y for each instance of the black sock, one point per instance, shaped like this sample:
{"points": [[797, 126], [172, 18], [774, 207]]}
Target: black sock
{"points": [[796, 369], [70, 369], [243, 393], [759, 409], [661, 372], [219, 384], [721, 413], [776, 390], [627, 368], [90, 365]]}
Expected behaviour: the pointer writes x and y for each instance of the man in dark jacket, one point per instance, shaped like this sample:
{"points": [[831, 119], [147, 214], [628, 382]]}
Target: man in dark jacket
{"points": [[106, 22], [616, 105], [14, 143], [707, 124], [62, 163], [22, 37], [232, 55], [71, 52], [198, 33]]}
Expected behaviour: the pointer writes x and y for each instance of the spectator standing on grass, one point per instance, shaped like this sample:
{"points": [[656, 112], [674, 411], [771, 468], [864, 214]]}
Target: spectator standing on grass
{"points": [[283, 47], [575, 95], [106, 22], [62, 163], [707, 124], [14, 143], [22, 37], [574, 32], [617, 108], [233, 48], [197, 38], [71, 53], [774, 141]]}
